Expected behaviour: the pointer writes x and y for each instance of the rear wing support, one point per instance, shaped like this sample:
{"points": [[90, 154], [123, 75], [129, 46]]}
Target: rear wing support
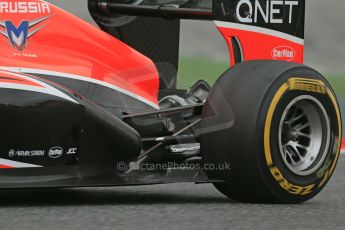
{"points": [[252, 29]]}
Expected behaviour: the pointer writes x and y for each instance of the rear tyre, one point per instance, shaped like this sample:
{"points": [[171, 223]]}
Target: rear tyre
{"points": [[278, 126]]}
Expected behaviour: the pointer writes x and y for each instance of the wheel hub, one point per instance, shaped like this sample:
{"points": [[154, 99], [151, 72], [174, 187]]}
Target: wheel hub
{"points": [[293, 134], [304, 135]]}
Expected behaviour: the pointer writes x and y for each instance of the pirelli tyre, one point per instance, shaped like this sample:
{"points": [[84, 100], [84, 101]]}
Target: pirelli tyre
{"points": [[278, 126]]}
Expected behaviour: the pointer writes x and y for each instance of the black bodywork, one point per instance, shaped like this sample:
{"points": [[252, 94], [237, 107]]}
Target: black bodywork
{"points": [[100, 146], [91, 138]]}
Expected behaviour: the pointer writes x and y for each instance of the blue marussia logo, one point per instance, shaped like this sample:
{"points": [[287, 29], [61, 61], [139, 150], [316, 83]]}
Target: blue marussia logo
{"points": [[18, 36]]}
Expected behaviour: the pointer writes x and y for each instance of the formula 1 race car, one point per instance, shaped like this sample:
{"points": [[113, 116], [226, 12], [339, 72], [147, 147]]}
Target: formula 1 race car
{"points": [[82, 106]]}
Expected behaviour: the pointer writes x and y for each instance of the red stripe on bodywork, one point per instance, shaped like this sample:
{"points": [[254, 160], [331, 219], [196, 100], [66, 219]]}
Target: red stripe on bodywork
{"points": [[8, 77], [6, 167]]}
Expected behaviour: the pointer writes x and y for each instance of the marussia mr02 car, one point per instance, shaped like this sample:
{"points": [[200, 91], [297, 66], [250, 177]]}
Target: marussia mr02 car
{"points": [[83, 106]]}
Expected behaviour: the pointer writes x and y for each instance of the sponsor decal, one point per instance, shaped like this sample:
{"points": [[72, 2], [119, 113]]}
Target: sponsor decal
{"points": [[283, 53], [27, 55], [304, 84], [25, 153], [55, 152], [18, 35], [11, 153], [24, 7], [72, 151], [249, 11]]}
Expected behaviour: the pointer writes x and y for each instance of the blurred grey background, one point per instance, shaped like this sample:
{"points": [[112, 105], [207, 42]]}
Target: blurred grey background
{"points": [[325, 35]]}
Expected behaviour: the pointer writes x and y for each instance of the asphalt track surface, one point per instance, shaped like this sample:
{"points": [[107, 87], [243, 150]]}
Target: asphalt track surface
{"points": [[176, 206]]}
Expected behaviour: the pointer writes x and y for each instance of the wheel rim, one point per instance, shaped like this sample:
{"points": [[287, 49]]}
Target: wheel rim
{"points": [[304, 135]]}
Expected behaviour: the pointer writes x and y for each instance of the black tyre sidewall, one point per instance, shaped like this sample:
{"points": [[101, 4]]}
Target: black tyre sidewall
{"points": [[243, 95], [318, 179]]}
